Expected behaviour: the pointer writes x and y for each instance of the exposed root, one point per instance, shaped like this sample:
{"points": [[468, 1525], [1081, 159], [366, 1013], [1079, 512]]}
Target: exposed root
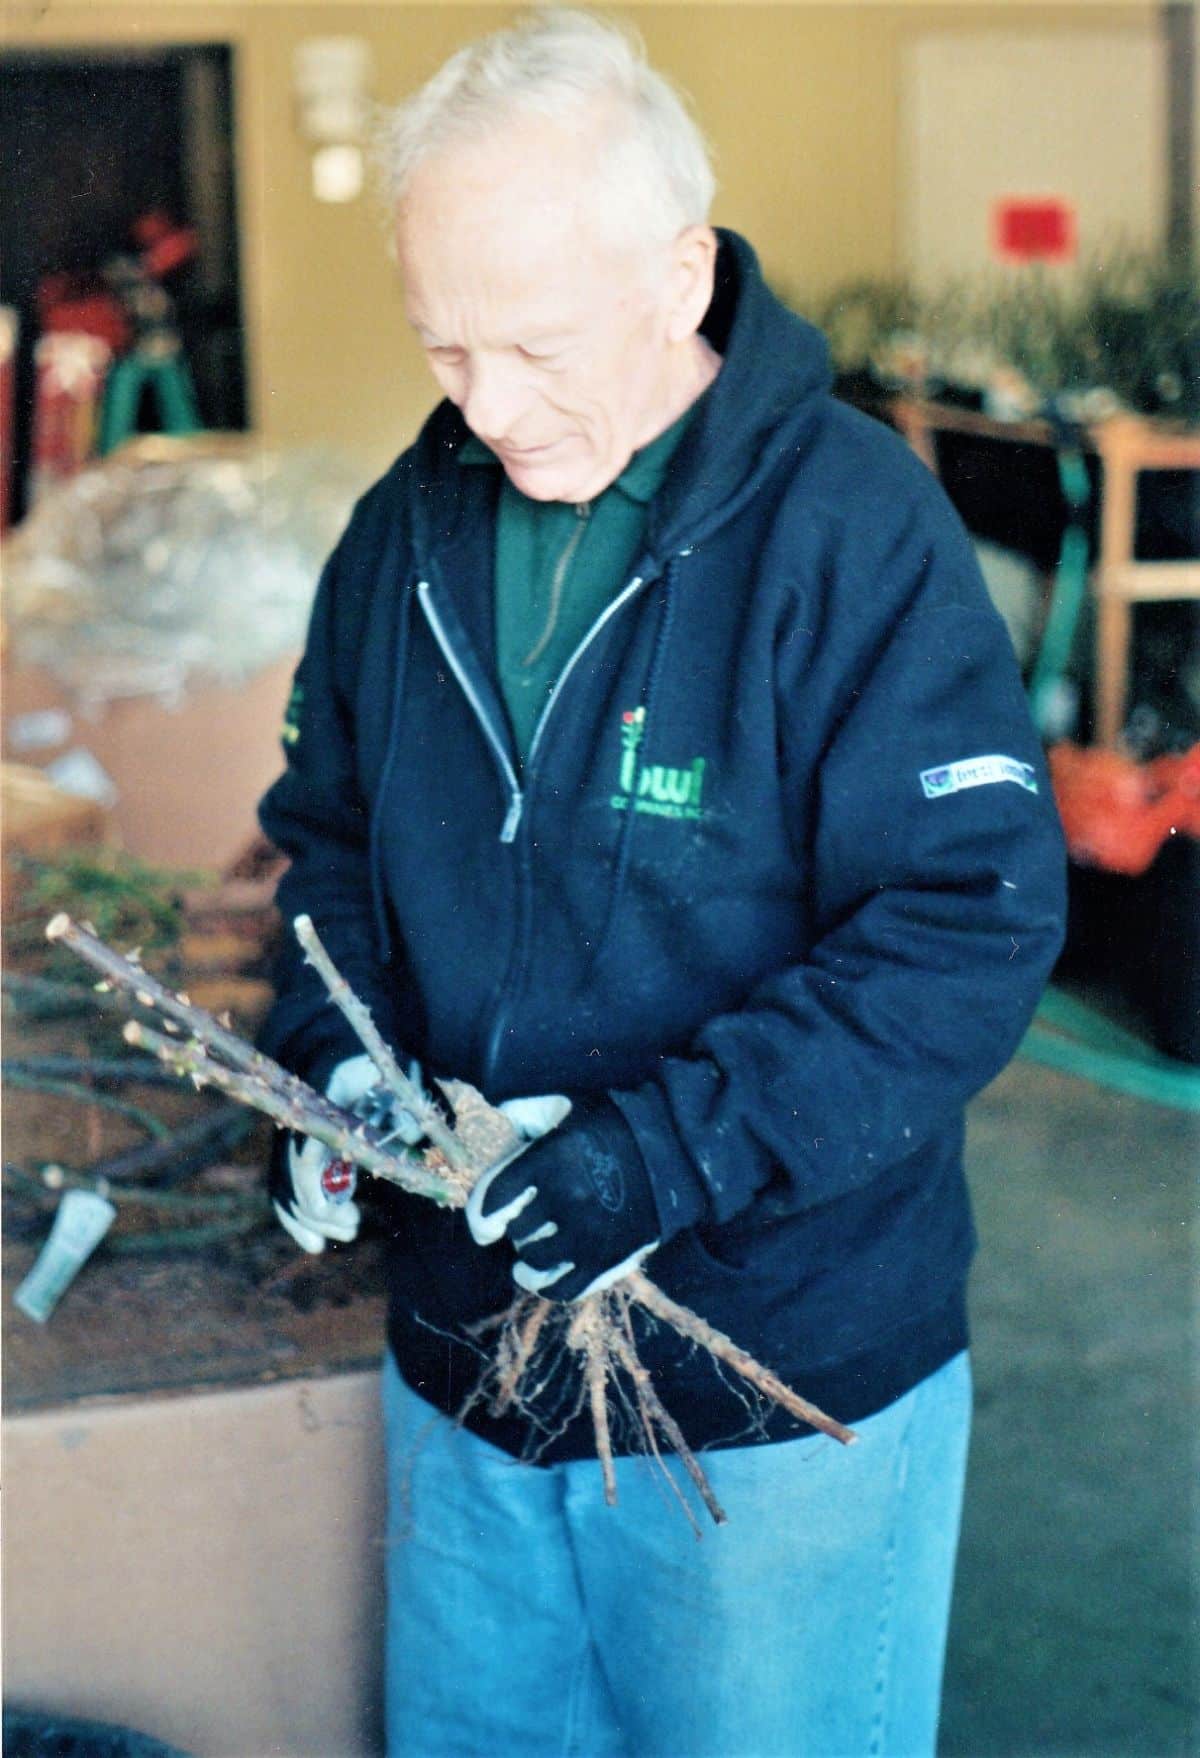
{"points": [[656, 1415], [591, 1344], [690, 1324], [589, 1333], [514, 1352], [646, 1419]]}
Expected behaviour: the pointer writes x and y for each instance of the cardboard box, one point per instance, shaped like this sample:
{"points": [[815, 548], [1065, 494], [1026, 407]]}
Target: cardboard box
{"points": [[39, 819], [188, 778]]}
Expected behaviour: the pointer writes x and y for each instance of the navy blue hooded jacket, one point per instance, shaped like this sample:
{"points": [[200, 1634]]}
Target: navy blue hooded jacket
{"points": [[782, 874]]}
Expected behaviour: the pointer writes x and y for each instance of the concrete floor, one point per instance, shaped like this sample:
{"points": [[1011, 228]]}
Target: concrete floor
{"points": [[1076, 1630]]}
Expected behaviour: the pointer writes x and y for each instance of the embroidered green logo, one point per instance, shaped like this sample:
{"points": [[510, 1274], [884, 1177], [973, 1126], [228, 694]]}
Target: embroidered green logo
{"points": [[290, 732], [653, 787]]}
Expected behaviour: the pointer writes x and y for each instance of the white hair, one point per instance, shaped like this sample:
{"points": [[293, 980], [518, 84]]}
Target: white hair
{"points": [[559, 63]]}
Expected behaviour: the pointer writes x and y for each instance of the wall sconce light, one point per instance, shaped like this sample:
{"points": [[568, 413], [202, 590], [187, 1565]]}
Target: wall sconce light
{"points": [[331, 77]]}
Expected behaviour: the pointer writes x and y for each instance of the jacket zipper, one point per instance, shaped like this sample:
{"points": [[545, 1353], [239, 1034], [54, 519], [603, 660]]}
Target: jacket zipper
{"points": [[516, 797], [500, 1020], [512, 817], [610, 610]]}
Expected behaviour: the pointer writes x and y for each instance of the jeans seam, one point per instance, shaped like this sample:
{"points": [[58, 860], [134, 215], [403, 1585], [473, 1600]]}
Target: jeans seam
{"points": [[572, 1744], [883, 1647]]}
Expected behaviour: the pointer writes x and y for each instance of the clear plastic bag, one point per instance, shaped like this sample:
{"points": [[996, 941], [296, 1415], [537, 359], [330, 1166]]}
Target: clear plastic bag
{"points": [[171, 562]]}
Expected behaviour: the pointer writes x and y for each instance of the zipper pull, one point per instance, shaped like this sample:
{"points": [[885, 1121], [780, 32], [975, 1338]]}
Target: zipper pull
{"points": [[512, 818]]}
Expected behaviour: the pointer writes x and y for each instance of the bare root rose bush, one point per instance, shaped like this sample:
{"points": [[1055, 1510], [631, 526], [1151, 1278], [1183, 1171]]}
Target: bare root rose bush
{"points": [[529, 1340]]}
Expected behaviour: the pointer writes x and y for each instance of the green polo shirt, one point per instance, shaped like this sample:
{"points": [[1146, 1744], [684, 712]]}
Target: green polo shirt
{"points": [[557, 566]]}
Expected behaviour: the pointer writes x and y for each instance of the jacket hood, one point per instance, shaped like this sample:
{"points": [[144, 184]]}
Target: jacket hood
{"points": [[774, 378]]}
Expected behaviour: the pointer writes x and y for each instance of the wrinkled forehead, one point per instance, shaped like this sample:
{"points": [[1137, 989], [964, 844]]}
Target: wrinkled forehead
{"points": [[521, 218]]}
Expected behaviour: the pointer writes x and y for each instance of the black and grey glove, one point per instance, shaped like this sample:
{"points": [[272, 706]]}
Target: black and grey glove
{"points": [[575, 1198]]}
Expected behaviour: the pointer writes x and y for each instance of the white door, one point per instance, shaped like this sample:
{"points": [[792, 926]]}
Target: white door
{"points": [[1068, 120]]}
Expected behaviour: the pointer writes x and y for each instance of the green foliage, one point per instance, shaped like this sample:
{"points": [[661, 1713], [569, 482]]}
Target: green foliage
{"points": [[1037, 326], [860, 316], [1144, 317], [126, 900], [1124, 330]]}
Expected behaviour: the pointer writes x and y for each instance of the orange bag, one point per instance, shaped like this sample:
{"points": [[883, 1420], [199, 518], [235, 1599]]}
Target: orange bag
{"points": [[1117, 813]]}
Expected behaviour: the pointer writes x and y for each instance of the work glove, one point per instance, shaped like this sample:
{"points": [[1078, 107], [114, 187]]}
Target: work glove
{"points": [[574, 1198], [313, 1189]]}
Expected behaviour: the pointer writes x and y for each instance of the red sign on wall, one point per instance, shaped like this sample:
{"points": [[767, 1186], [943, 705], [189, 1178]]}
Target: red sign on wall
{"points": [[1033, 229]]}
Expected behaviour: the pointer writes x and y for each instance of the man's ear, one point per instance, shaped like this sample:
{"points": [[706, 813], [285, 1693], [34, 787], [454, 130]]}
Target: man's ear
{"points": [[693, 266]]}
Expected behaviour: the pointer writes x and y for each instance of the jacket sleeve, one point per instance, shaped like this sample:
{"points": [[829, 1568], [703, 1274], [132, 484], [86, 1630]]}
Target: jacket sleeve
{"points": [[316, 814], [937, 877]]}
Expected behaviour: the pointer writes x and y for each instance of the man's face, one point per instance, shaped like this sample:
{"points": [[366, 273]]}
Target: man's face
{"points": [[553, 339]]}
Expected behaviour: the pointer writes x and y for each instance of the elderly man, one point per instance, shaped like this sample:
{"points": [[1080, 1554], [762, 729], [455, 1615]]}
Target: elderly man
{"points": [[655, 745]]}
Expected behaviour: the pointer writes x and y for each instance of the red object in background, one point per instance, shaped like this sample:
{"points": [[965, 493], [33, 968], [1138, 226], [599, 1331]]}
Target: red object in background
{"points": [[71, 370], [70, 304], [1033, 229], [164, 246], [1116, 813]]}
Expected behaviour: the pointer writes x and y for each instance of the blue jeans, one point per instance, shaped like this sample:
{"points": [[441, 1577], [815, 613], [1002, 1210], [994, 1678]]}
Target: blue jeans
{"points": [[526, 1619]]}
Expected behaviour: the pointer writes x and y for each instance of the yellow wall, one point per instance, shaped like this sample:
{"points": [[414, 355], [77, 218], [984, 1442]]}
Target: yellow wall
{"points": [[800, 102]]}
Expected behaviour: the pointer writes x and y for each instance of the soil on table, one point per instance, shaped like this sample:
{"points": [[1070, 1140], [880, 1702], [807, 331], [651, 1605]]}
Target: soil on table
{"points": [[239, 1311]]}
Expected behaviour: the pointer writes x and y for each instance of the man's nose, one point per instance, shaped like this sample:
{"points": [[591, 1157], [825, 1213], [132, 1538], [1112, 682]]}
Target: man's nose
{"points": [[495, 396]]}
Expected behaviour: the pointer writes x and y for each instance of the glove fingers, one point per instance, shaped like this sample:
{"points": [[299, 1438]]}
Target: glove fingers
{"points": [[606, 1279], [541, 1268], [351, 1079], [305, 1238], [338, 1221], [489, 1226], [536, 1117], [306, 1158], [311, 1193], [533, 1281], [547, 1230]]}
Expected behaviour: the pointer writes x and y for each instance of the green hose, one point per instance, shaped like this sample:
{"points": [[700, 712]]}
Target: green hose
{"points": [[1067, 595], [1106, 1054]]}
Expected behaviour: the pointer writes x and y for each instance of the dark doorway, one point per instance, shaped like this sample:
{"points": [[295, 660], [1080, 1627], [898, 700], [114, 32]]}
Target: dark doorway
{"points": [[91, 141]]}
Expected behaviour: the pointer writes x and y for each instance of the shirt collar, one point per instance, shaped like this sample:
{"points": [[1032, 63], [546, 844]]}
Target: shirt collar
{"points": [[642, 476]]}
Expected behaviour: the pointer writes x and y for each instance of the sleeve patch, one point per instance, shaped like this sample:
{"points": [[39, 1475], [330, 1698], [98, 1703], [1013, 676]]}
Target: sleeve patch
{"points": [[952, 778]]}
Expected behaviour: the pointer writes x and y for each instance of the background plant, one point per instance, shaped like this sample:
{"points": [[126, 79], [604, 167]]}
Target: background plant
{"points": [[1122, 331]]}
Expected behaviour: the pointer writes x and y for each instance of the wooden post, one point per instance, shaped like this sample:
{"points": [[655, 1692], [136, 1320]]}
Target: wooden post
{"points": [[1128, 447]]}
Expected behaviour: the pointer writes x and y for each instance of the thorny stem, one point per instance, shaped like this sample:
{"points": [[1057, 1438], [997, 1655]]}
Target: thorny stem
{"points": [[123, 974], [343, 1136], [358, 1016]]}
